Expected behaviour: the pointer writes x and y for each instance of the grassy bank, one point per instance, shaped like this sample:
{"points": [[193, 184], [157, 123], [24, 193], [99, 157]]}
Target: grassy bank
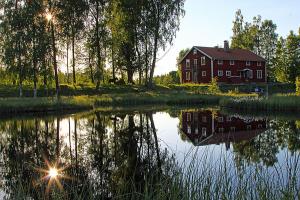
{"points": [[283, 103], [46, 104], [89, 89]]}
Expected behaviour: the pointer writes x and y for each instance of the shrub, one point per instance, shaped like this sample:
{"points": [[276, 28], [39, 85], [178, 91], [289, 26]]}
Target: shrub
{"points": [[214, 87]]}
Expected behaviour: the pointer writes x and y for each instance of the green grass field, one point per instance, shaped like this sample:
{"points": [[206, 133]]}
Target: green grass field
{"points": [[274, 103]]}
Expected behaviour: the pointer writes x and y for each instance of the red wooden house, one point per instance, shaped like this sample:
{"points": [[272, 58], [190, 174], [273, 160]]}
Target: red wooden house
{"points": [[205, 128], [232, 66]]}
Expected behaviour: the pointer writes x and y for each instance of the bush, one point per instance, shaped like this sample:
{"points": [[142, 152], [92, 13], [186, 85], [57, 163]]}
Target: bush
{"points": [[214, 87]]}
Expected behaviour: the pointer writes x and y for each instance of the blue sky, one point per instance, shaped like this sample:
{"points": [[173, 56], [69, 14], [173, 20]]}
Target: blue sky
{"points": [[209, 23]]}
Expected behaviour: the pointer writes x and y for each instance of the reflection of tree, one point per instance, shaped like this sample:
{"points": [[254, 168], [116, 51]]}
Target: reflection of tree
{"points": [[264, 148], [105, 155]]}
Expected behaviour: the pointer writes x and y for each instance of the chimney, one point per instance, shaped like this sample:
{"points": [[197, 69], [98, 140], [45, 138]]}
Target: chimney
{"points": [[226, 46]]}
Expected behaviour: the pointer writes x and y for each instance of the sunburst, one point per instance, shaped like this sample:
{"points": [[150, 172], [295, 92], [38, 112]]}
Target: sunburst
{"points": [[52, 175]]}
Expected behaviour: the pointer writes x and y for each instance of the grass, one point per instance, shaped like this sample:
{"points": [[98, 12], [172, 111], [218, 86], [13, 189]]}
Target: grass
{"points": [[161, 97], [274, 103], [196, 178], [44, 104]]}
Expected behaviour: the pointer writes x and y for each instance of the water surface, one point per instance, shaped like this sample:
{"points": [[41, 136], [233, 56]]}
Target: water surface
{"points": [[105, 154]]}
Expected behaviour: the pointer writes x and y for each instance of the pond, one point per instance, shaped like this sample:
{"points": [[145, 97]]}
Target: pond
{"points": [[170, 153]]}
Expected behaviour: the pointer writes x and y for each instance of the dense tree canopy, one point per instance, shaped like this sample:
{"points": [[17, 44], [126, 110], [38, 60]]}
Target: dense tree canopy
{"points": [[282, 55], [100, 39]]}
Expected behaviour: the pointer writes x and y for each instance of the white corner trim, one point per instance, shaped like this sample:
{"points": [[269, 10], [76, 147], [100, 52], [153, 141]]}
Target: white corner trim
{"points": [[212, 69], [203, 52], [192, 50]]}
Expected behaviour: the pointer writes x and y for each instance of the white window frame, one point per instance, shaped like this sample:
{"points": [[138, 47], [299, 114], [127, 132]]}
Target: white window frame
{"points": [[220, 62], [195, 62], [251, 74], [220, 72], [195, 51], [232, 129], [204, 131], [259, 74], [248, 63], [203, 73], [231, 62], [189, 129], [188, 75], [188, 117], [228, 73], [258, 63], [188, 63], [203, 61]]}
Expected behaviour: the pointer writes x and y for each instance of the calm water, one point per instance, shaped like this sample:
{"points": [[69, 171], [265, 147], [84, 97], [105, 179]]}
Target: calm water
{"points": [[103, 154]]}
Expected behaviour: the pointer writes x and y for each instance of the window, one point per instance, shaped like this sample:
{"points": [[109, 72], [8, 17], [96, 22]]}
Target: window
{"points": [[204, 119], [220, 62], [203, 60], [250, 74], [259, 74], [195, 62], [258, 63], [196, 131], [187, 63], [232, 62], [221, 130], [228, 73], [232, 129], [220, 119], [229, 119], [195, 51], [259, 126], [248, 63], [204, 133], [203, 73], [188, 76], [189, 130], [220, 72], [188, 117]]}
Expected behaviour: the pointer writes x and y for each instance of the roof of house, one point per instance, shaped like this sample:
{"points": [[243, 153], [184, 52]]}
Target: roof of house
{"points": [[219, 138], [233, 54]]}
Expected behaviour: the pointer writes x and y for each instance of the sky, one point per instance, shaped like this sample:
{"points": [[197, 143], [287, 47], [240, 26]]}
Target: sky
{"points": [[209, 23]]}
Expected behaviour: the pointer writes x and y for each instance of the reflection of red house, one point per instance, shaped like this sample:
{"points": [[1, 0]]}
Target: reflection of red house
{"points": [[232, 66], [204, 128]]}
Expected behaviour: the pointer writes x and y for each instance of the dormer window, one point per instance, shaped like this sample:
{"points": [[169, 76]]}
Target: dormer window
{"points": [[187, 62], [248, 63], [220, 62], [203, 60], [195, 51], [258, 63], [232, 62]]}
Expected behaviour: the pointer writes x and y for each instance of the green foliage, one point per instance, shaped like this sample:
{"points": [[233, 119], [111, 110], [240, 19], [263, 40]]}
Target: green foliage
{"points": [[287, 59], [214, 87], [298, 85], [258, 36], [167, 79]]}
